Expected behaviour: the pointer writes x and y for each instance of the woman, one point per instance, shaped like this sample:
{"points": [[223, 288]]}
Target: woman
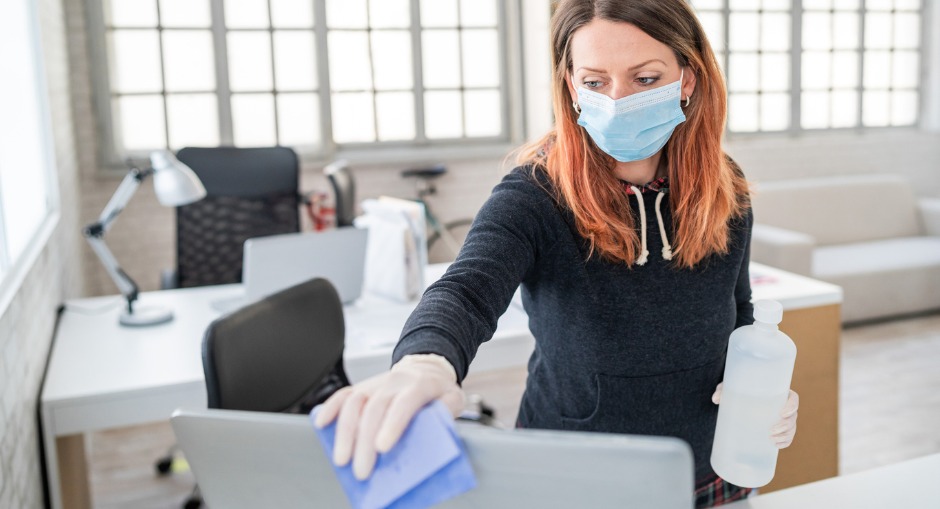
{"points": [[629, 230]]}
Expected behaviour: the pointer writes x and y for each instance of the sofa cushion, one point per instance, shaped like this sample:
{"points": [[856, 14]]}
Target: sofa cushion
{"points": [[840, 210], [883, 278]]}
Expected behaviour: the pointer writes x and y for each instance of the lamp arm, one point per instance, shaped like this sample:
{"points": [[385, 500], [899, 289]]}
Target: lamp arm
{"points": [[125, 284], [120, 198]]}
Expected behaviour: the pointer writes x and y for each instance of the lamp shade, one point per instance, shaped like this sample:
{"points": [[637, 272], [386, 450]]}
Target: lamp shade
{"points": [[175, 183]]}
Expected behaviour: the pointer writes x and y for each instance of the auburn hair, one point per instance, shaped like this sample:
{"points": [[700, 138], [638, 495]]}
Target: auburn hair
{"points": [[706, 189]]}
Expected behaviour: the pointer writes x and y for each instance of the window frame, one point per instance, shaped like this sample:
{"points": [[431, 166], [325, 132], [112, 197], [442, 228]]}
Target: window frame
{"points": [[14, 271], [796, 90], [420, 149]]}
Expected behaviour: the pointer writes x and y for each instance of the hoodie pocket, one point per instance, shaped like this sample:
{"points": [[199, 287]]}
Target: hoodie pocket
{"points": [[673, 404]]}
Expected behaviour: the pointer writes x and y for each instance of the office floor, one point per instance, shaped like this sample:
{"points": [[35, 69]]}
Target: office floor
{"points": [[890, 411]]}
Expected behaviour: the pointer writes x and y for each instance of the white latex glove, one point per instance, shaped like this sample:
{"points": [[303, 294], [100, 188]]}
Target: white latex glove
{"points": [[783, 432], [374, 413]]}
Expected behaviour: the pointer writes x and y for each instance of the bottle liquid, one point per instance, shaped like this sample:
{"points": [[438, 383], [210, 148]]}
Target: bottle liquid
{"points": [[758, 370]]}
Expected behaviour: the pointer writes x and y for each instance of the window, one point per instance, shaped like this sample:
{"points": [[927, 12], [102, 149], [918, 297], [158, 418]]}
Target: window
{"points": [[318, 75], [27, 180], [817, 64]]}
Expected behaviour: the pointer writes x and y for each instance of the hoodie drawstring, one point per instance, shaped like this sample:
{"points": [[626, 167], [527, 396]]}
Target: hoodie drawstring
{"points": [[644, 252]]}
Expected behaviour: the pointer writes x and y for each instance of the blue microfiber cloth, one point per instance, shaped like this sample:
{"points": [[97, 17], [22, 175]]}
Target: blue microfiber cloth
{"points": [[427, 466]]}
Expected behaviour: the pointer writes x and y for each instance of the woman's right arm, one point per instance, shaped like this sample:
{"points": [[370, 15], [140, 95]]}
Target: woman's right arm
{"points": [[455, 316]]}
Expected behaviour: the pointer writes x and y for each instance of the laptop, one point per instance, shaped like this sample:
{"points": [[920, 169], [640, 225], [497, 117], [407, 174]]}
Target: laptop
{"points": [[276, 262], [254, 459]]}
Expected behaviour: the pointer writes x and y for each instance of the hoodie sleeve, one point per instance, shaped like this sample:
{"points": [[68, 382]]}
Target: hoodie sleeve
{"points": [[459, 312]]}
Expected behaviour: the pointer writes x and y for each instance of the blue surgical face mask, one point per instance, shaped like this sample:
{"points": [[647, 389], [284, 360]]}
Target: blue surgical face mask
{"points": [[634, 127]]}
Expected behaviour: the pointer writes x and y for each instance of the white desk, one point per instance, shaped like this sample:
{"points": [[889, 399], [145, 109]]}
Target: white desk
{"points": [[911, 484], [102, 375]]}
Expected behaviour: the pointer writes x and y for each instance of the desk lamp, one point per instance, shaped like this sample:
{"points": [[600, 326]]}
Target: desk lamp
{"points": [[175, 185]]}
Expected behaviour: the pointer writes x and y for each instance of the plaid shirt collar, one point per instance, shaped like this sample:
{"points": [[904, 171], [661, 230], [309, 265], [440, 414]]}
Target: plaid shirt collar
{"points": [[654, 186]]}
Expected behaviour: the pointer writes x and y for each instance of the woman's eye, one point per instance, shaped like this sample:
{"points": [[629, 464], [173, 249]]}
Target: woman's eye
{"points": [[592, 84], [647, 80]]}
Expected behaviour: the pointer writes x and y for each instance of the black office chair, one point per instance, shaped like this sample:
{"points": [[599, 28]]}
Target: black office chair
{"points": [[344, 189], [251, 192], [281, 354]]}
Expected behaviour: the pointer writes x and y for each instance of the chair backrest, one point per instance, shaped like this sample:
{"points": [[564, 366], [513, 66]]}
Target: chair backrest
{"points": [[344, 188], [250, 192], [281, 354]]}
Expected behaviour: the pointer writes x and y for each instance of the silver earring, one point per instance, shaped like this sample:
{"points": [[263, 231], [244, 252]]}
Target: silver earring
{"points": [[687, 99], [576, 106]]}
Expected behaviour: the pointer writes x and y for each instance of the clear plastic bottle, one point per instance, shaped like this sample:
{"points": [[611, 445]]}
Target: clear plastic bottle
{"points": [[758, 370]]}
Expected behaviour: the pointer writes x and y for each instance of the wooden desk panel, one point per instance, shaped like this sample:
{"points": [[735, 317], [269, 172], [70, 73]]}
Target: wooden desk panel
{"points": [[814, 454]]}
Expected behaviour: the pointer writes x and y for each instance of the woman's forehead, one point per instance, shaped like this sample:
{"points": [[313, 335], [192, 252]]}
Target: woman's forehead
{"points": [[616, 46]]}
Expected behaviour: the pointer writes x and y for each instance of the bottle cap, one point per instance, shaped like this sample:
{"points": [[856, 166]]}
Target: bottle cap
{"points": [[768, 311]]}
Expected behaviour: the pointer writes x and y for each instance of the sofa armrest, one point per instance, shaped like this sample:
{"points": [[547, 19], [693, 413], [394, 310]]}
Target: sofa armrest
{"points": [[785, 249], [930, 215]]}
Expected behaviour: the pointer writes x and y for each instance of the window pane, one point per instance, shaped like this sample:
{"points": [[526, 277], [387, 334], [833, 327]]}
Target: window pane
{"points": [[253, 120], [292, 13], [775, 112], [298, 119], [775, 72], [815, 73], [390, 13], [817, 31], [844, 108], [349, 61], [246, 13], [353, 117], [846, 30], [193, 120], [814, 110], [346, 14], [776, 5], [295, 60], [396, 115], [132, 13], [907, 4], [775, 32], [140, 122], [845, 69], [249, 61], [439, 13], [743, 73], [441, 59], [879, 5], [185, 13], [875, 108], [442, 115], [478, 13], [817, 4], [877, 67], [135, 65], [707, 4], [188, 60], [743, 31], [904, 71], [742, 112], [903, 107], [906, 30], [480, 58], [483, 113], [714, 25], [846, 4], [391, 56], [877, 30]]}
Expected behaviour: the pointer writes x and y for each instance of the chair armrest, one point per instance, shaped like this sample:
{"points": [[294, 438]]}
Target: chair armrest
{"points": [[930, 215], [785, 249], [169, 279]]}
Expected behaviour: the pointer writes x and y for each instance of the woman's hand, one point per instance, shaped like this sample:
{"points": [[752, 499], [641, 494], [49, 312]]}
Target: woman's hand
{"points": [[783, 432], [373, 414]]}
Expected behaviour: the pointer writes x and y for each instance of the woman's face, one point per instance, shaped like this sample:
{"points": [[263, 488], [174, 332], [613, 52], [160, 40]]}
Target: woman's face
{"points": [[618, 59]]}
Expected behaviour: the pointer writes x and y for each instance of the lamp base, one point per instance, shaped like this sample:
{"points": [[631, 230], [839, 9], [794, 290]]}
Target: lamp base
{"points": [[144, 316]]}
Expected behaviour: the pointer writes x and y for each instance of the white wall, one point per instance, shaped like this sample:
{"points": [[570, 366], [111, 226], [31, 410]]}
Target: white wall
{"points": [[27, 324]]}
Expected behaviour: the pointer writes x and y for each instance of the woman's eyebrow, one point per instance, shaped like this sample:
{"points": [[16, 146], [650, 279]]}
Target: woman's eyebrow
{"points": [[589, 69], [647, 62]]}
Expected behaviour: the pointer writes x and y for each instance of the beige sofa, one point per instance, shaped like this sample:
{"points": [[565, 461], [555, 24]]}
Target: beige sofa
{"points": [[868, 234]]}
